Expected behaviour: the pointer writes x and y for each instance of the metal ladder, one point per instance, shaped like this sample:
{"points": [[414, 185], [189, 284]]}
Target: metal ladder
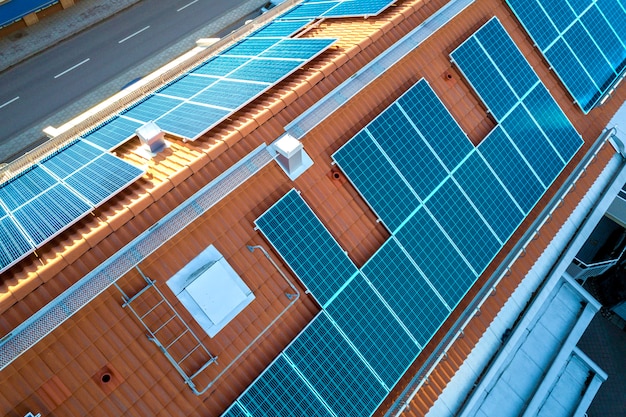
{"points": [[167, 329]]}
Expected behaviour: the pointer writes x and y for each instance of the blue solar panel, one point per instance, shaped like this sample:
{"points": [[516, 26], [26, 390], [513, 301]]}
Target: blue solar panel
{"points": [[533, 145], [334, 369], [377, 180], [572, 73], [307, 246], [579, 6], [463, 224], [507, 58], [187, 86], [152, 108], [27, 185], [249, 47], [607, 40], [71, 158], [50, 212], [230, 94], [489, 196], [113, 133], [265, 70], [309, 10], [553, 121], [428, 246], [103, 178], [13, 244], [435, 123], [483, 75], [559, 11], [235, 410], [280, 391], [43, 206], [586, 54], [590, 56], [358, 8], [615, 14], [511, 168], [408, 151], [297, 48], [536, 21], [191, 120], [220, 66], [281, 28], [406, 291], [373, 330]]}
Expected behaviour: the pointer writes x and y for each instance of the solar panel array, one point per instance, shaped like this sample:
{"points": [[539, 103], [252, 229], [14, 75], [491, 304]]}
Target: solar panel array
{"points": [[43, 201], [442, 199], [201, 99], [204, 97], [369, 333], [584, 42], [338, 8]]}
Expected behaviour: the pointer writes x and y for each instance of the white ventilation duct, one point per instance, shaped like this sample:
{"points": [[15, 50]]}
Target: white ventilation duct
{"points": [[152, 137], [291, 156]]}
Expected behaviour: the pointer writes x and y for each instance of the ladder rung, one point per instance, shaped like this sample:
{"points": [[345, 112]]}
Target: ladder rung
{"points": [[152, 309], [164, 324], [134, 297], [188, 354], [206, 364], [176, 340]]}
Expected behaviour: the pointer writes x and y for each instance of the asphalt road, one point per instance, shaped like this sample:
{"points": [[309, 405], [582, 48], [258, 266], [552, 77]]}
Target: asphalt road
{"points": [[40, 86]]}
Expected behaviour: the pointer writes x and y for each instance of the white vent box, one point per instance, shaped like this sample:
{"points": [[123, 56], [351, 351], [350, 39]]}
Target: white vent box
{"points": [[291, 156], [211, 290], [152, 137]]}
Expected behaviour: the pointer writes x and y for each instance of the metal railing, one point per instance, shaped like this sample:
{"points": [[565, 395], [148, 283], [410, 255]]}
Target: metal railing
{"points": [[582, 271]]}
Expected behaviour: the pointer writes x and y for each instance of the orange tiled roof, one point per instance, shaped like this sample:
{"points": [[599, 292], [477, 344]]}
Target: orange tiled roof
{"points": [[61, 374]]}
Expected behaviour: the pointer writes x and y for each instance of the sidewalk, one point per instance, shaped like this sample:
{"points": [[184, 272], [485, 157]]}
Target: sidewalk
{"points": [[71, 21]]}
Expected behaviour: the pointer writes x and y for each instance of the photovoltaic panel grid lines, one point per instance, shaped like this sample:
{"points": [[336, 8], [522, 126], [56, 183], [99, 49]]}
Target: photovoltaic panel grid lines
{"points": [[43, 201], [533, 114], [335, 370], [235, 410], [361, 327], [281, 391], [320, 374], [312, 9], [307, 246], [584, 42], [404, 154], [372, 328], [396, 277]]}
